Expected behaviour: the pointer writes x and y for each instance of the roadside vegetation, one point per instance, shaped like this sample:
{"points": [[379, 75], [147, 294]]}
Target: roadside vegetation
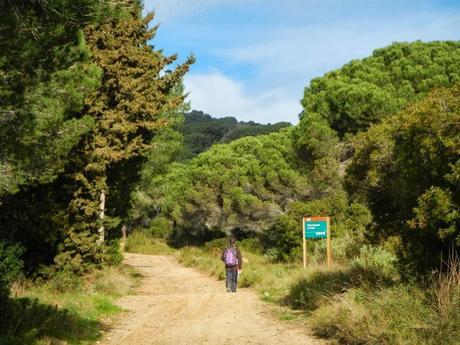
{"points": [[93, 142], [65, 308], [377, 150], [362, 302]]}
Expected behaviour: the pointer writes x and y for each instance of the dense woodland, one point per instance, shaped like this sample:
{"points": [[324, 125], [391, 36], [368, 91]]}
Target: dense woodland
{"points": [[200, 131], [93, 138], [377, 149]]}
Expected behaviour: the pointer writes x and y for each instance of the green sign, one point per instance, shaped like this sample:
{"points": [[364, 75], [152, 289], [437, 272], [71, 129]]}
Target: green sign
{"points": [[315, 228]]}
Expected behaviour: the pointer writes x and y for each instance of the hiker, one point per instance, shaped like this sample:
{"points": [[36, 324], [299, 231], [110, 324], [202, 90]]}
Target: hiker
{"points": [[231, 256]]}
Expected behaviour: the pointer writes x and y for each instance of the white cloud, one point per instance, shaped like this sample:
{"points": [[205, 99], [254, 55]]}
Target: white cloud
{"points": [[169, 10], [219, 95], [299, 53], [275, 61]]}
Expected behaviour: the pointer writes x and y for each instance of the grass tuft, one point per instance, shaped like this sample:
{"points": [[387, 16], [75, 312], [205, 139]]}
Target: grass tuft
{"points": [[142, 243], [66, 308]]}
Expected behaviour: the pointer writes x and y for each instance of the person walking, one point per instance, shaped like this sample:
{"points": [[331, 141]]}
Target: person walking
{"points": [[231, 256]]}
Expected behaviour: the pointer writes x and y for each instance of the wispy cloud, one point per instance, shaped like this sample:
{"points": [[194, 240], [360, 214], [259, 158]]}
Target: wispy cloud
{"points": [[254, 57], [221, 96]]}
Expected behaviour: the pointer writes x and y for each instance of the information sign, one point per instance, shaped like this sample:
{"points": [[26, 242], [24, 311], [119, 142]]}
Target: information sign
{"points": [[315, 227]]}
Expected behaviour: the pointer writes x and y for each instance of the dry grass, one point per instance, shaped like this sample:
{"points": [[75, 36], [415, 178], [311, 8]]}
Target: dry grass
{"points": [[141, 243]]}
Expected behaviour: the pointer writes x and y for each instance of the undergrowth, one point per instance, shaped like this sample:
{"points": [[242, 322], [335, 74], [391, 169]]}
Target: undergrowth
{"points": [[364, 302], [143, 243], [64, 308]]}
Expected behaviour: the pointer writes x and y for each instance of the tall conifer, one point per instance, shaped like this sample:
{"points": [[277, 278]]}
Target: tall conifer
{"points": [[128, 109]]}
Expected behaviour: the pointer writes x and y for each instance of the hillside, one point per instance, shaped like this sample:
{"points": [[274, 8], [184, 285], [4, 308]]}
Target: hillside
{"points": [[201, 131]]}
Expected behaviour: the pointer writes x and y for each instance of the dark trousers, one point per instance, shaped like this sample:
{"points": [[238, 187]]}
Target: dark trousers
{"points": [[232, 279]]}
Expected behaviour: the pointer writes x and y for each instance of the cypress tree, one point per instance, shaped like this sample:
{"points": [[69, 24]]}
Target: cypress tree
{"points": [[128, 109]]}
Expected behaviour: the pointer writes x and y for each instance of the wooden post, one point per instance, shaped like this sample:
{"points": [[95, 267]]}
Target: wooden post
{"points": [[304, 245], [329, 244], [101, 230], [124, 229]]}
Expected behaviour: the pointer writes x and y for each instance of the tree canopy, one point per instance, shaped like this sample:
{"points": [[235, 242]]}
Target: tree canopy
{"points": [[82, 95], [364, 91], [201, 131], [407, 170], [240, 185]]}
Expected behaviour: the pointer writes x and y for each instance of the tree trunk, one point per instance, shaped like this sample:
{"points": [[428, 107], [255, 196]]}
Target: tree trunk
{"points": [[124, 229], [101, 230]]}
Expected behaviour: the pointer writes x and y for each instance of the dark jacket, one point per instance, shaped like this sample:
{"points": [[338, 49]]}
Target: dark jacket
{"points": [[238, 255]]}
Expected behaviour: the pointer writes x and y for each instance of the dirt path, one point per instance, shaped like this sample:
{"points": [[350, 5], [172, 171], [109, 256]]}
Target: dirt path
{"points": [[179, 306]]}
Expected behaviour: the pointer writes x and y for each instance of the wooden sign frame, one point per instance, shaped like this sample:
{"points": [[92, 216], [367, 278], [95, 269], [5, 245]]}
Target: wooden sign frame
{"points": [[328, 239]]}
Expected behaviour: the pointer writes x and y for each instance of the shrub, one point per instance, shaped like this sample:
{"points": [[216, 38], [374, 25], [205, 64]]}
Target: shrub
{"points": [[389, 316], [65, 281], [282, 242], [313, 287], [113, 254], [376, 262], [110, 281], [160, 227], [10, 266]]}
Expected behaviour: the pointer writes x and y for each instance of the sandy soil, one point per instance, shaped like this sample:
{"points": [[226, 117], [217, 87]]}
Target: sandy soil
{"points": [[179, 306]]}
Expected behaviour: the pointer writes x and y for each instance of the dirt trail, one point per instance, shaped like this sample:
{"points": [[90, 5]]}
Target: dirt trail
{"points": [[179, 306]]}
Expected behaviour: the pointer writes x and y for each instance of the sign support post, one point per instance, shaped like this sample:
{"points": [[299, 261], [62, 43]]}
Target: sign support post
{"points": [[329, 244], [304, 248], [317, 227]]}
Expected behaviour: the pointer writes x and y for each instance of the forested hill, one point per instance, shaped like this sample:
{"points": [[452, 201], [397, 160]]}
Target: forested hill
{"points": [[201, 130]]}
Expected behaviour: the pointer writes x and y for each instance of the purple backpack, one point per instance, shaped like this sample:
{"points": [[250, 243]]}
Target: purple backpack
{"points": [[230, 257]]}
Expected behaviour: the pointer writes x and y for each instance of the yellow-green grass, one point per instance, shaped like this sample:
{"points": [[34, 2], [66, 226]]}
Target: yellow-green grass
{"points": [[346, 304], [66, 307], [141, 243]]}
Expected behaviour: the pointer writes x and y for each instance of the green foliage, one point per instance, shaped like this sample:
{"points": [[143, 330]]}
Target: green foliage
{"points": [[406, 170], [143, 243], [201, 131], [310, 290], [364, 91], [46, 74], [66, 308], [113, 255], [11, 267], [243, 185], [65, 282], [364, 316], [160, 227], [283, 242], [378, 262], [137, 94], [403, 314], [25, 320]]}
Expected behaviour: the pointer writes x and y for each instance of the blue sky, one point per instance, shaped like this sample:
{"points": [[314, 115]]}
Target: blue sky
{"points": [[255, 57]]}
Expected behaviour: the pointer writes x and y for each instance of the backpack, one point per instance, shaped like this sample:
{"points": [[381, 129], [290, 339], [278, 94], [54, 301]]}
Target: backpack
{"points": [[230, 257]]}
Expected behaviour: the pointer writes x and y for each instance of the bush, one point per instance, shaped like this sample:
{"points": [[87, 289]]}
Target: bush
{"points": [[113, 254], [65, 281], [10, 266], [251, 245], [377, 262], [379, 317], [282, 242], [142, 243], [160, 227], [314, 287], [111, 281]]}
